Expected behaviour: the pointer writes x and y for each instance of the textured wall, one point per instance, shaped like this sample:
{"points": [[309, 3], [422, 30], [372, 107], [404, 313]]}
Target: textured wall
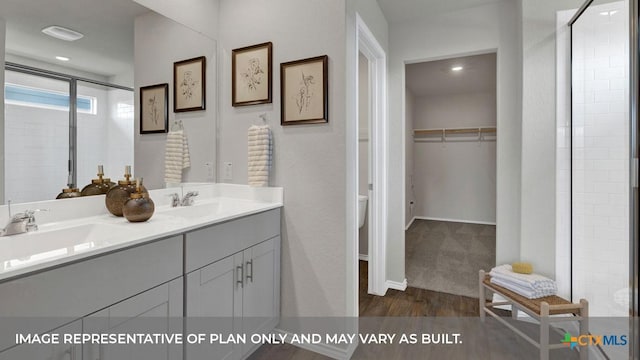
{"points": [[159, 42], [309, 160]]}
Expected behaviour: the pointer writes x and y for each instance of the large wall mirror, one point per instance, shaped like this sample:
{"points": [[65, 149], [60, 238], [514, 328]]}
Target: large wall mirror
{"points": [[71, 105]]}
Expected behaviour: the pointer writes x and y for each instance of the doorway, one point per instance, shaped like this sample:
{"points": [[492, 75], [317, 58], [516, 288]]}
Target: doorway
{"points": [[369, 53], [451, 112]]}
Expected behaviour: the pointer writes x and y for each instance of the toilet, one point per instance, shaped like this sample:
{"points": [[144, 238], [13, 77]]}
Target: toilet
{"points": [[362, 209]]}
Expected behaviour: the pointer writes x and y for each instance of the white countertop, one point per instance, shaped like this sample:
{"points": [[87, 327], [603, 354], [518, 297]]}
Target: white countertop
{"points": [[69, 239]]}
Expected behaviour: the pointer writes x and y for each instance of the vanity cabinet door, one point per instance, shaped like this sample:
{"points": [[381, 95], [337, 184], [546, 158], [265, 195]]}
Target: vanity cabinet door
{"points": [[261, 295], [155, 311], [48, 352], [214, 305]]}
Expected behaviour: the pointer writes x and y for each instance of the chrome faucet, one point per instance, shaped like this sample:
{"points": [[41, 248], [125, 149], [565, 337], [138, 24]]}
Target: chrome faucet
{"points": [[175, 199], [187, 200], [21, 223]]}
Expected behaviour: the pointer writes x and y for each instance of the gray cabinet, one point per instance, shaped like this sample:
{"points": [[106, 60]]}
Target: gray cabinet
{"points": [[48, 352], [239, 294], [155, 311], [231, 273], [261, 291]]}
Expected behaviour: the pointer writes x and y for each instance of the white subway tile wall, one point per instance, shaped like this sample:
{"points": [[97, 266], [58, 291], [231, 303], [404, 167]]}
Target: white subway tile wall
{"points": [[37, 140], [600, 157]]}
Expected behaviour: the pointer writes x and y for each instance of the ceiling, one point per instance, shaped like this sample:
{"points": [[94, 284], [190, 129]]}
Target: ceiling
{"points": [[396, 11], [437, 78], [106, 48]]}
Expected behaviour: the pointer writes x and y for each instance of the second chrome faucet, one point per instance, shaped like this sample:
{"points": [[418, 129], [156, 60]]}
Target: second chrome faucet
{"points": [[187, 200]]}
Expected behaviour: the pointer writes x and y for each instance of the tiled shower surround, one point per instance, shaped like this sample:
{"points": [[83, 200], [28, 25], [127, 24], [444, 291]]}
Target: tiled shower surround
{"points": [[37, 140], [600, 159]]}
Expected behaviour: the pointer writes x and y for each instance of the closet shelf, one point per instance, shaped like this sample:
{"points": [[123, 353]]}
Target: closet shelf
{"points": [[480, 132]]}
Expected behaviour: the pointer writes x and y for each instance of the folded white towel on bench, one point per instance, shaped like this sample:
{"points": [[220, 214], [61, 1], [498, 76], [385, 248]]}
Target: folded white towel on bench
{"points": [[531, 286]]}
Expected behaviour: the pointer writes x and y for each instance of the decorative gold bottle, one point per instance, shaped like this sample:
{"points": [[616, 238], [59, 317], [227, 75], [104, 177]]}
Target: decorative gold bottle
{"points": [[98, 186], [119, 194], [139, 207], [69, 193]]}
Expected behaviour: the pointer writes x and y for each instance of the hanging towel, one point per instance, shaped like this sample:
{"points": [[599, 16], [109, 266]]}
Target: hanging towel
{"points": [[177, 157], [260, 155]]}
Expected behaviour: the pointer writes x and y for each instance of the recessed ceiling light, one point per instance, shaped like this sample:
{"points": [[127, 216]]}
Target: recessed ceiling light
{"points": [[62, 58], [457, 68], [605, 13], [62, 33]]}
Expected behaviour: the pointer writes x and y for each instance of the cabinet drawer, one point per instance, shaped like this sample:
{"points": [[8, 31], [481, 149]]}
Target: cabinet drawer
{"points": [[78, 289], [211, 244]]}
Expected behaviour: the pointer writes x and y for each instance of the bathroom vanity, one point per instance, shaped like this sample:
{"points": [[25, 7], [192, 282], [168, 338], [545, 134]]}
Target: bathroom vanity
{"points": [[213, 267]]}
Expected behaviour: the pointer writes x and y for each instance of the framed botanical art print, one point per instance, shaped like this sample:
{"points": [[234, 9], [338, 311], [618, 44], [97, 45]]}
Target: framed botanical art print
{"points": [[251, 75], [154, 109], [304, 91], [189, 87]]}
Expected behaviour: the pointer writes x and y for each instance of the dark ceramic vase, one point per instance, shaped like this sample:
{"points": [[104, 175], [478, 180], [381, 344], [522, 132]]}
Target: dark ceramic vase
{"points": [[118, 196], [138, 208], [95, 188], [69, 193]]}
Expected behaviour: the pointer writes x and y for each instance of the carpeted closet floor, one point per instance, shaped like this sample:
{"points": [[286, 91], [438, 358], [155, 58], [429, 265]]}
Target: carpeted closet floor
{"points": [[446, 256]]}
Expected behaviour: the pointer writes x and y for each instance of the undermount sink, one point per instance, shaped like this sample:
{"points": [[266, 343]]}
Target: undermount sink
{"points": [[27, 248]]}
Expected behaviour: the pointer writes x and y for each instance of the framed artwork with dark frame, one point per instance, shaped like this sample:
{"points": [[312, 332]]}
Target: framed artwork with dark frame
{"points": [[251, 73], [304, 87], [154, 109], [189, 84]]}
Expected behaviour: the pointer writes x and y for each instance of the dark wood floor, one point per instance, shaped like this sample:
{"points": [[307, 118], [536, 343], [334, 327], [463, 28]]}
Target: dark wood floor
{"points": [[413, 302]]}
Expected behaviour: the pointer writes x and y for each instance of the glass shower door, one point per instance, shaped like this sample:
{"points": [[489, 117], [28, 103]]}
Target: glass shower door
{"points": [[600, 248]]}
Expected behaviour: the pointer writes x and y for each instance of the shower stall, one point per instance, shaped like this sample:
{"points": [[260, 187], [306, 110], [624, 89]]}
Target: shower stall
{"points": [[602, 134]]}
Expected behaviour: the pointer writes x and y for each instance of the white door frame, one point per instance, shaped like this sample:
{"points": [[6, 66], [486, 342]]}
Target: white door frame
{"points": [[367, 44]]}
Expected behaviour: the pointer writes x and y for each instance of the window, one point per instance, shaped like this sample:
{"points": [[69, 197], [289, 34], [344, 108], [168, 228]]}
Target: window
{"points": [[48, 99]]}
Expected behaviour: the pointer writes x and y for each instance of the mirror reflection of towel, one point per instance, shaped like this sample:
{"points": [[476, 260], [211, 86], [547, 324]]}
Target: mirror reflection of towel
{"points": [[177, 157], [260, 155]]}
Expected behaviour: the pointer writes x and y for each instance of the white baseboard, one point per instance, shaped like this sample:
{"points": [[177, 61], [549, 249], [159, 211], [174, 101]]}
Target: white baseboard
{"points": [[410, 223], [322, 349], [363, 257], [396, 285], [453, 220]]}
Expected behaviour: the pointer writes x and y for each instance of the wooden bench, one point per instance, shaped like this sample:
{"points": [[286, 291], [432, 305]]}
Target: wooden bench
{"points": [[540, 309]]}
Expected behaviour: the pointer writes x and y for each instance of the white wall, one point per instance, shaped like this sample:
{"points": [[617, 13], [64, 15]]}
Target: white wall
{"points": [[92, 139], [455, 180], [409, 179], [474, 30], [120, 130], [2, 153], [159, 42], [363, 146], [200, 15], [538, 218], [309, 160]]}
